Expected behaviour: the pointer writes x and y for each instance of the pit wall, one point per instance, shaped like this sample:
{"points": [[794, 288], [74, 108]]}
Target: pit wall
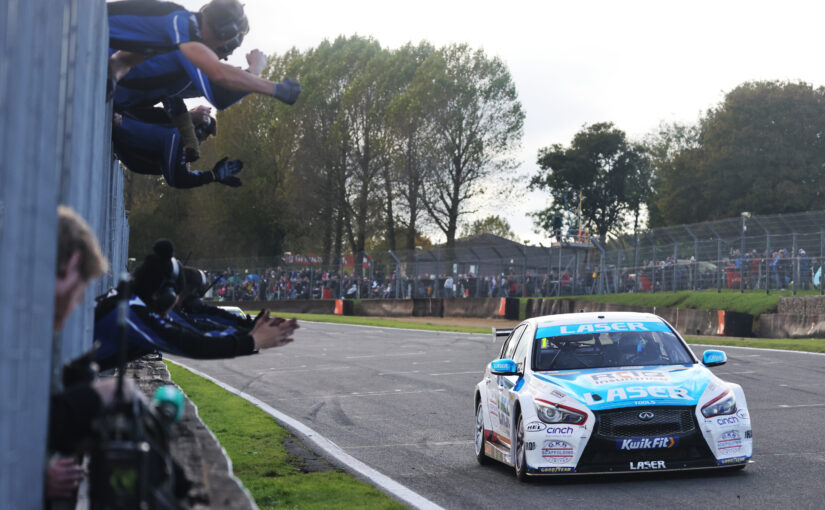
{"points": [[686, 321]]}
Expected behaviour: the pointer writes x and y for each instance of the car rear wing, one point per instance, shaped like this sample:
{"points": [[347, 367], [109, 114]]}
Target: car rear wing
{"points": [[498, 333]]}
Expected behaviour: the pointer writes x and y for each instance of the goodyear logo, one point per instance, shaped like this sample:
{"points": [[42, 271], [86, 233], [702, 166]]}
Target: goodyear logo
{"points": [[732, 460], [647, 443], [555, 470]]}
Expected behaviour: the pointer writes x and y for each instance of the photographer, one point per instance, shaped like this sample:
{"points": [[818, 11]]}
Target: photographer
{"points": [[156, 284], [72, 411], [152, 149]]}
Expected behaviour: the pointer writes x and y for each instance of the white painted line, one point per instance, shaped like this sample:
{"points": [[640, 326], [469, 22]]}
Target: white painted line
{"points": [[223, 450], [786, 406], [380, 480], [440, 443], [361, 394], [397, 329], [417, 353]]}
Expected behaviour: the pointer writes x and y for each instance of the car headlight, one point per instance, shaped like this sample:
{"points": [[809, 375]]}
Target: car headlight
{"points": [[548, 412], [723, 404]]}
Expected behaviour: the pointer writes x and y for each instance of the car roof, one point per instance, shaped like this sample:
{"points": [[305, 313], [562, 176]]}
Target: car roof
{"points": [[590, 317]]}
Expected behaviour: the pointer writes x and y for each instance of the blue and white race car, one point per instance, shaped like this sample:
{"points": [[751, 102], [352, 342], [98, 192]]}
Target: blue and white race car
{"points": [[607, 392]]}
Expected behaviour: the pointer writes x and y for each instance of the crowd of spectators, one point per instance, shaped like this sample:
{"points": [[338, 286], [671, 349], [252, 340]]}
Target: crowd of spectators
{"points": [[757, 270]]}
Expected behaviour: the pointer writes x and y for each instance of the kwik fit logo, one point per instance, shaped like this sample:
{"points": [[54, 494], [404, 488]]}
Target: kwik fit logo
{"points": [[646, 443]]}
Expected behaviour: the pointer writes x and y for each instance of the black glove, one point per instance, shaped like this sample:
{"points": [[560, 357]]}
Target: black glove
{"points": [[224, 172], [287, 91]]}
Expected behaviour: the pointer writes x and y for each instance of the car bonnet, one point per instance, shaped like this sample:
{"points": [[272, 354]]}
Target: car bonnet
{"points": [[609, 388]]}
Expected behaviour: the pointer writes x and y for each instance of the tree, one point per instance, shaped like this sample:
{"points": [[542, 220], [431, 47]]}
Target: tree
{"points": [[476, 127], [760, 150], [602, 166], [493, 224]]}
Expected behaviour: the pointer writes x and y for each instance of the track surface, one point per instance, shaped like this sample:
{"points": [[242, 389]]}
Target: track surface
{"points": [[401, 401]]}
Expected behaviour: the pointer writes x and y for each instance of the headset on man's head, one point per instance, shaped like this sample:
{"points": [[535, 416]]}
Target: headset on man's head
{"points": [[165, 296], [228, 26]]}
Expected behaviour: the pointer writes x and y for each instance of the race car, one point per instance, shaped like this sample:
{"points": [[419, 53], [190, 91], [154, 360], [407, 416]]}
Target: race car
{"points": [[607, 392]]}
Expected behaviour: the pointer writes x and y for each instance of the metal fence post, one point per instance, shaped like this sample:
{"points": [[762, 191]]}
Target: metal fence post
{"points": [[795, 266], [601, 265], [718, 265], [768, 256], [558, 277], [821, 254], [636, 265], [576, 272]]}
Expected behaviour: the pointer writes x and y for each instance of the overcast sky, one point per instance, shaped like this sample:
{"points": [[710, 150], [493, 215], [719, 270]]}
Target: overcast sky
{"points": [[633, 63]]}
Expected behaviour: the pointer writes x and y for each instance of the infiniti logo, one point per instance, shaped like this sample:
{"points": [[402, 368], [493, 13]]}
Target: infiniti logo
{"points": [[645, 416]]}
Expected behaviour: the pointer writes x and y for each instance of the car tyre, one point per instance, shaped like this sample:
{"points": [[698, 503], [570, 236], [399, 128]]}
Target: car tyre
{"points": [[479, 436], [520, 452]]}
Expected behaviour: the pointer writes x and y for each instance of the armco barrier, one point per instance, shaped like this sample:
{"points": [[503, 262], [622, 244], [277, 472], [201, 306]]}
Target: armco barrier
{"points": [[428, 308], [483, 308]]}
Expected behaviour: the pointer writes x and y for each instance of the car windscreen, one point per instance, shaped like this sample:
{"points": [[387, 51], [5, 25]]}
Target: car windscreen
{"points": [[607, 344]]}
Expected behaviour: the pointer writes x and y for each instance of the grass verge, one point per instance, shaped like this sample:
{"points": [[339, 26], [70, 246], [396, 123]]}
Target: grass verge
{"points": [[254, 442], [787, 344]]}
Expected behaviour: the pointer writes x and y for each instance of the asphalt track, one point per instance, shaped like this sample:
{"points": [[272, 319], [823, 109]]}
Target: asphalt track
{"points": [[400, 401]]}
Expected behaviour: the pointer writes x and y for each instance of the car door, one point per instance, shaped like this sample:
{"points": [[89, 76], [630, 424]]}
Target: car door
{"points": [[498, 389], [509, 386]]}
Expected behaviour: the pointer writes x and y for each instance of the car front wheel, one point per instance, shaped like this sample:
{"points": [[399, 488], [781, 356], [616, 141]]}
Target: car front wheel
{"points": [[519, 452], [479, 436]]}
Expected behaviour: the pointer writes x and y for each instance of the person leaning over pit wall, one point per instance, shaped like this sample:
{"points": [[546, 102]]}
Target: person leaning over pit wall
{"points": [[140, 30], [72, 411], [153, 149], [206, 317], [155, 288]]}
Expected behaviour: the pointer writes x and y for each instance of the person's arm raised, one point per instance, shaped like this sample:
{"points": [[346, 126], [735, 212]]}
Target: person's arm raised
{"points": [[234, 78]]}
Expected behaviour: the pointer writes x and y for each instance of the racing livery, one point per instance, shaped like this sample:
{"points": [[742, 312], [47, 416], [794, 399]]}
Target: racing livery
{"points": [[607, 392]]}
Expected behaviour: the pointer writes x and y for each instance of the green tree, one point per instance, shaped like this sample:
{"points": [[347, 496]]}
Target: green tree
{"points": [[760, 150], [493, 224], [476, 127], [602, 166]]}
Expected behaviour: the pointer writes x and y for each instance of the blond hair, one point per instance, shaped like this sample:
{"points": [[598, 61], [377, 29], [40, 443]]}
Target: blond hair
{"points": [[75, 235]]}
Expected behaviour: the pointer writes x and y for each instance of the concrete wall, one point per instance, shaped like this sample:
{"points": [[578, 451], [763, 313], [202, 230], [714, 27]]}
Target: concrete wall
{"points": [[686, 321], [485, 308], [385, 307], [796, 317]]}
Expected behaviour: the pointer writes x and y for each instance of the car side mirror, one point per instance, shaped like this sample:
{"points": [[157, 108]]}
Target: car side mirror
{"points": [[503, 367], [713, 358]]}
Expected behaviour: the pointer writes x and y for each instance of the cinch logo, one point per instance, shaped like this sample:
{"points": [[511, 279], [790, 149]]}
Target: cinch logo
{"points": [[560, 430], [647, 464], [728, 420], [647, 443]]}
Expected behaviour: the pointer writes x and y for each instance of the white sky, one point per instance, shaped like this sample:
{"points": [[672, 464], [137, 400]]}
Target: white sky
{"points": [[633, 63]]}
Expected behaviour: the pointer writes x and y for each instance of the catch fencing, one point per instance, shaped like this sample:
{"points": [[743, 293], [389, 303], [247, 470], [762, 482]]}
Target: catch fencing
{"points": [[752, 252], [55, 131]]}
